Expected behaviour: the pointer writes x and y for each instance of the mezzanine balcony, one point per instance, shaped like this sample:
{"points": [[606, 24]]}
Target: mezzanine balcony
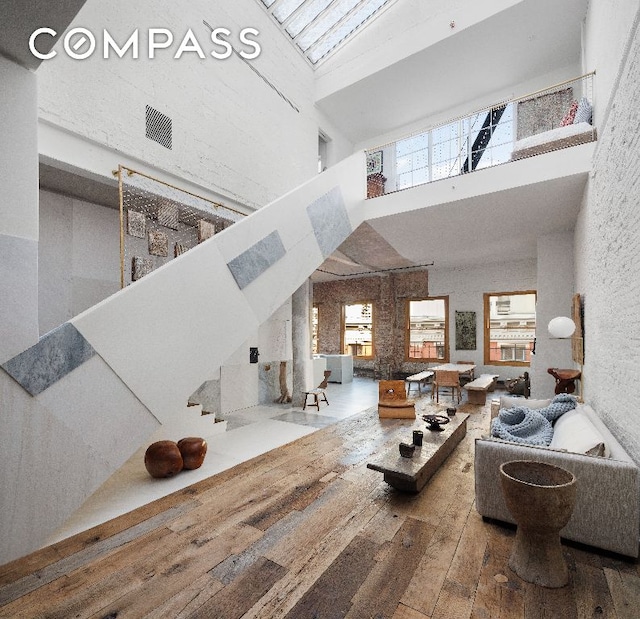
{"points": [[554, 118]]}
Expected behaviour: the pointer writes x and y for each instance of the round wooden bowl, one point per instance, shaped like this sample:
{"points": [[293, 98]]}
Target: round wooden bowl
{"points": [[163, 459], [193, 451]]}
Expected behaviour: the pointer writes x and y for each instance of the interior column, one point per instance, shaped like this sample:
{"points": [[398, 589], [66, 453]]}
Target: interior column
{"points": [[301, 303]]}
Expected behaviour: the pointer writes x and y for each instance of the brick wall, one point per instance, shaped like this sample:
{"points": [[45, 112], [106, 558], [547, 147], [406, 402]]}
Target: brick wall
{"points": [[608, 261], [463, 286], [388, 294]]}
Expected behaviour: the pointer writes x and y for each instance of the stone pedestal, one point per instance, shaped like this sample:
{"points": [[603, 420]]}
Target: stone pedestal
{"points": [[540, 498], [341, 367]]}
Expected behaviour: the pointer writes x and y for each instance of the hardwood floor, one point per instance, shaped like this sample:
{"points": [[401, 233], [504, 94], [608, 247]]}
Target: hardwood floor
{"points": [[307, 531]]}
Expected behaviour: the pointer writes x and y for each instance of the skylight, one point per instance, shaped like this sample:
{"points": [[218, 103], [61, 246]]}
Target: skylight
{"points": [[317, 27]]}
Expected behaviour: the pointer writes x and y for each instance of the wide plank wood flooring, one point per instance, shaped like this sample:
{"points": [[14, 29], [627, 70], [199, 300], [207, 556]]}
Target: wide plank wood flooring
{"points": [[308, 532]]}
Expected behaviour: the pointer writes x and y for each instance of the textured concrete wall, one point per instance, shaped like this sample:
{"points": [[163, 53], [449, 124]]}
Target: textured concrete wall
{"points": [[608, 260]]}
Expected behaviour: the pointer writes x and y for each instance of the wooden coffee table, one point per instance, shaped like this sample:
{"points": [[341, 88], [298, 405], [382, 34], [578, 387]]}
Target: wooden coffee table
{"points": [[411, 474]]}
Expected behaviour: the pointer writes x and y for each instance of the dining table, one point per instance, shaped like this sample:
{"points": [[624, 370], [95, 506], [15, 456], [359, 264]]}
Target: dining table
{"points": [[461, 368]]}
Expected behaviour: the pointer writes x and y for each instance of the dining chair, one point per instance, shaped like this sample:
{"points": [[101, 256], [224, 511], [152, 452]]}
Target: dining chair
{"points": [[469, 375], [447, 379]]}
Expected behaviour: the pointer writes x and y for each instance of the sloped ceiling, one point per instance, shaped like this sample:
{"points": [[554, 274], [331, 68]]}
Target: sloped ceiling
{"points": [[499, 227], [20, 19], [531, 38]]}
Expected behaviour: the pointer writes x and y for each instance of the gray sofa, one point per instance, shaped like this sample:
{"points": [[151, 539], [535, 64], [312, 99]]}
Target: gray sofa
{"points": [[607, 510]]}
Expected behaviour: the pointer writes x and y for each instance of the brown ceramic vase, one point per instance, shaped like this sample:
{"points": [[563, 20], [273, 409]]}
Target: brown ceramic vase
{"points": [[540, 497], [163, 459], [193, 450]]}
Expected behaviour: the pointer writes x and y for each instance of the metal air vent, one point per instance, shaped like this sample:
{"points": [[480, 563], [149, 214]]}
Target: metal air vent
{"points": [[159, 127]]}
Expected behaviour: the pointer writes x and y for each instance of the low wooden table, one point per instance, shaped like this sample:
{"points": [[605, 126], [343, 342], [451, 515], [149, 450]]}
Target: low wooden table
{"points": [[411, 474]]}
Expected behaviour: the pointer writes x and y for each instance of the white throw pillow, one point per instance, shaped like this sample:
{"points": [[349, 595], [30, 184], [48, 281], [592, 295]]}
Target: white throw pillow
{"points": [[583, 113], [574, 432]]}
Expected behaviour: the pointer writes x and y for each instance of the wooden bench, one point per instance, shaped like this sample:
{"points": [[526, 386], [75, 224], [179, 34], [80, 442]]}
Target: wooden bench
{"points": [[393, 402], [422, 378], [477, 388]]}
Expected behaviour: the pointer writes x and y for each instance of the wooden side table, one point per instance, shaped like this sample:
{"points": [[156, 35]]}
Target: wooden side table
{"points": [[565, 379]]}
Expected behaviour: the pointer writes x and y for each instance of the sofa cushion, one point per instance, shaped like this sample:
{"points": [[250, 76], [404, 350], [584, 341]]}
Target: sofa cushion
{"points": [[507, 401], [570, 116], [583, 113], [574, 432]]}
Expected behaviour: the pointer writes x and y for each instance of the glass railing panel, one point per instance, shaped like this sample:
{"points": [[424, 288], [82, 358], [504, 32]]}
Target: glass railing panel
{"points": [[549, 119]]}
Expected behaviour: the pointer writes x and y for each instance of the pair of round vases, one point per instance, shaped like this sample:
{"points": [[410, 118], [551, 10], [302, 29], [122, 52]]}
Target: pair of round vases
{"points": [[167, 458]]}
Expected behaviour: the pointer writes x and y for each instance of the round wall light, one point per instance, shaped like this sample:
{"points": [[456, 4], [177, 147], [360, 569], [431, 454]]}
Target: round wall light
{"points": [[561, 327]]}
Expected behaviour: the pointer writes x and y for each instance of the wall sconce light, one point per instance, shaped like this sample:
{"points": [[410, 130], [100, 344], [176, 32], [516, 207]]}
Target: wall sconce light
{"points": [[561, 327]]}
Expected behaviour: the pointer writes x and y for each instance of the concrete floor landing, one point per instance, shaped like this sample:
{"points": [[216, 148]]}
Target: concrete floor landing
{"points": [[250, 433]]}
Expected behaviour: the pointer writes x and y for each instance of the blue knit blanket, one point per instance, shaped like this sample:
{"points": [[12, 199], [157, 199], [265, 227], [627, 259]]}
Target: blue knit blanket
{"points": [[531, 426]]}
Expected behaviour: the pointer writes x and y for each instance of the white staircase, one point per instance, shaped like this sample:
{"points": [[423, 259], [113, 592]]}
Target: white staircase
{"points": [[155, 343]]}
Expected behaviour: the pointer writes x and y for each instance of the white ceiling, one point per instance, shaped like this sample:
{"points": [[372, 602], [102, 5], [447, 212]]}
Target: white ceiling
{"points": [[20, 19], [453, 235], [530, 39]]}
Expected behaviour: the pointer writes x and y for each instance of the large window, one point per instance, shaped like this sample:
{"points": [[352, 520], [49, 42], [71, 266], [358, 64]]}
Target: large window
{"points": [[478, 141], [412, 161], [509, 327], [427, 336], [357, 334]]}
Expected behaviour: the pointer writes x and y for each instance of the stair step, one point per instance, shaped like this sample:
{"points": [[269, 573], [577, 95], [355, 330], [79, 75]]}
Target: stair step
{"points": [[190, 422]]}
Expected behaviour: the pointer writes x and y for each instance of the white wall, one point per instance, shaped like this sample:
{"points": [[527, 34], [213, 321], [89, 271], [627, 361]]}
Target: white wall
{"points": [[231, 131], [607, 249], [605, 35], [555, 291], [232, 134], [466, 287], [520, 89], [79, 257], [338, 147], [80, 266], [18, 210]]}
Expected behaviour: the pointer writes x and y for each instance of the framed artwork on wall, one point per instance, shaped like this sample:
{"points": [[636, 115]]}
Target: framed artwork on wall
{"points": [[158, 243], [136, 224], [465, 330], [168, 215], [374, 163]]}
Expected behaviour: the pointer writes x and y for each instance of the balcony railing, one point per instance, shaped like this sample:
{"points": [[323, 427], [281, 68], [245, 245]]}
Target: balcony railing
{"points": [[555, 117]]}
